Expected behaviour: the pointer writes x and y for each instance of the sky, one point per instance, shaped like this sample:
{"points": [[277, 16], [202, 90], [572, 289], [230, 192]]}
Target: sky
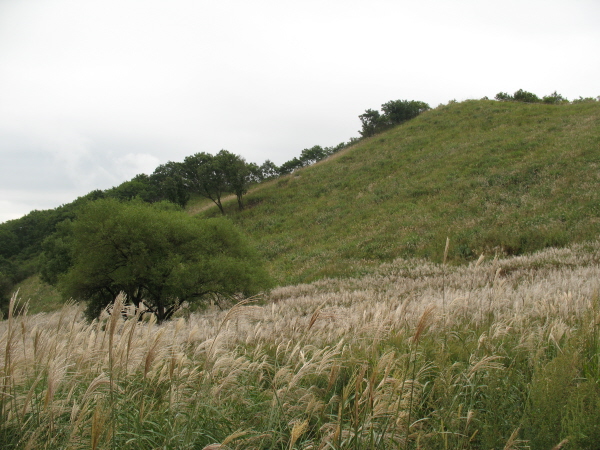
{"points": [[94, 92]]}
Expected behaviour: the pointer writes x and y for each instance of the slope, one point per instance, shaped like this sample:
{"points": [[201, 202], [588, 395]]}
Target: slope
{"points": [[494, 177]]}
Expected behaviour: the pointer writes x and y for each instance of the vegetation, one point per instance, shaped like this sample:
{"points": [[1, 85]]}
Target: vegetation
{"points": [[502, 353], [158, 257], [528, 97]]}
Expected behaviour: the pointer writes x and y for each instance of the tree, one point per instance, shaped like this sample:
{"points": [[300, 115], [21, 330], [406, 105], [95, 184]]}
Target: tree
{"points": [[213, 176], [236, 173], [56, 256], [157, 255], [205, 177], [168, 182], [138, 186], [400, 111], [312, 155], [372, 123], [554, 98], [7, 273], [520, 96], [526, 97], [503, 97], [9, 243], [267, 170], [395, 112], [289, 166]]}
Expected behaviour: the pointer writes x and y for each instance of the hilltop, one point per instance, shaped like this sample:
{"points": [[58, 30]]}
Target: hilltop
{"points": [[494, 177]]}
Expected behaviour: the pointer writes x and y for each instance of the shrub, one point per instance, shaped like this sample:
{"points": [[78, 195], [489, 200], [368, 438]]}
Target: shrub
{"points": [[526, 97], [554, 98], [503, 97]]}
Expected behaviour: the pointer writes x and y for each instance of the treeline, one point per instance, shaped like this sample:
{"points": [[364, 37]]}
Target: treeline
{"points": [[529, 97], [211, 176]]}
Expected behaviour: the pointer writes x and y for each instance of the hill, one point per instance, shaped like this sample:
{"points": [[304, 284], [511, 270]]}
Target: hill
{"points": [[494, 177]]}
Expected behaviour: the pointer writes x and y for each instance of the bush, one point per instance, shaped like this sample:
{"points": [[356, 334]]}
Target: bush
{"points": [[526, 97], [503, 97], [554, 98]]}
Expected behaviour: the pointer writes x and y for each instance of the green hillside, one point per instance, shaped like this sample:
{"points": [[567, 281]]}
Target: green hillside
{"points": [[494, 177]]}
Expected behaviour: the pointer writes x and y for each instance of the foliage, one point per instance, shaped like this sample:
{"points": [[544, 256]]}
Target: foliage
{"points": [[236, 172], [205, 178], [213, 176], [307, 157], [503, 96], [7, 274], [526, 97], [395, 112], [289, 166], [57, 258], [21, 241], [587, 99], [168, 182], [155, 255], [372, 123], [554, 98], [400, 111], [266, 171], [312, 155]]}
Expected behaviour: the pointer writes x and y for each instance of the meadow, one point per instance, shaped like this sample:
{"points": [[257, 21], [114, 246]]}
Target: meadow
{"points": [[502, 353]]}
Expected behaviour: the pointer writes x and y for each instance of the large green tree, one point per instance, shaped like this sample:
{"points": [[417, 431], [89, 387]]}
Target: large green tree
{"points": [[156, 254]]}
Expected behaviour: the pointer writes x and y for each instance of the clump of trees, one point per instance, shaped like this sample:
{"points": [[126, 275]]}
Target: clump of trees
{"points": [[393, 113], [528, 97], [309, 156], [158, 255], [211, 176]]}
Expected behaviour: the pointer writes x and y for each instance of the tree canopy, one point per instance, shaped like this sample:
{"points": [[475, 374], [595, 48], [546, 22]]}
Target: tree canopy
{"points": [[156, 255]]}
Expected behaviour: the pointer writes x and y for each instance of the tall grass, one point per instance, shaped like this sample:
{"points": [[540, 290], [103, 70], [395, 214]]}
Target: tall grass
{"points": [[503, 353]]}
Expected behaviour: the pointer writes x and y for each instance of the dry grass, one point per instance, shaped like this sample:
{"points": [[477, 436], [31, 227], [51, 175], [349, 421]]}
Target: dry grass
{"points": [[417, 355]]}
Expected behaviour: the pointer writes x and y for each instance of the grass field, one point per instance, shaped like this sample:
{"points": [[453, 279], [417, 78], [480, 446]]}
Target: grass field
{"points": [[503, 353]]}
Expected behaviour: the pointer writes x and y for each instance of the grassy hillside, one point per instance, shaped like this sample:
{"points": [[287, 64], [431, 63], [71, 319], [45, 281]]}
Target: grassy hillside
{"points": [[494, 177]]}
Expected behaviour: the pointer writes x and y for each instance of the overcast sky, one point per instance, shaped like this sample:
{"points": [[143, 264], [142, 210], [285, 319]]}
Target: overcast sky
{"points": [[93, 92]]}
